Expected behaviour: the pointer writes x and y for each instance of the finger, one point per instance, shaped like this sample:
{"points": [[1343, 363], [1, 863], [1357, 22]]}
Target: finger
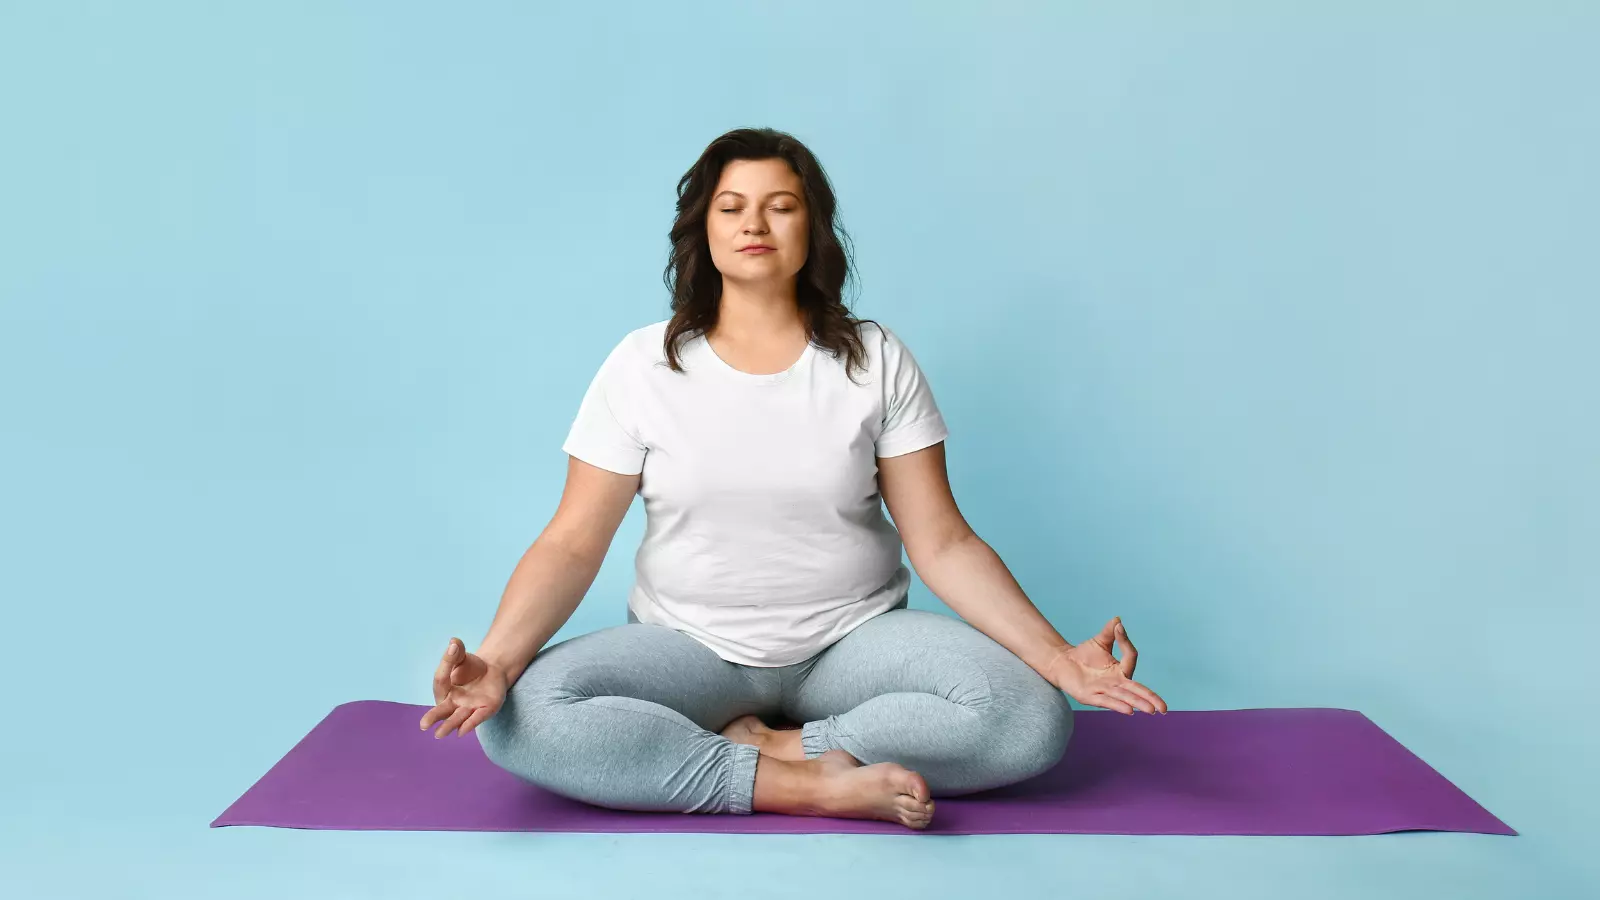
{"points": [[1152, 696], [1107, 635], [477, 718], [439, 711], [441, 675], [1130, 656], [1133, 699], [455, 720], [469, 668], [1107, 701]]}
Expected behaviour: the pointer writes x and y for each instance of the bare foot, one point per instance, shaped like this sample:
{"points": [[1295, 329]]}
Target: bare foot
{"points": [[779, 744], [748, 730], [836, 785]]}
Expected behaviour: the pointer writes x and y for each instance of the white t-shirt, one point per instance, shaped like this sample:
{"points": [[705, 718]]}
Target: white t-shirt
{"points": [[765, 537]]}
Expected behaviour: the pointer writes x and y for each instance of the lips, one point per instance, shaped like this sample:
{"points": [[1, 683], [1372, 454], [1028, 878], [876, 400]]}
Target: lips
{"points": [[756, 249]]}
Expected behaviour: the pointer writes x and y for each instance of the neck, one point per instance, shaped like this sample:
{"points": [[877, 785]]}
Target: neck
{"points": [[758, 311]]}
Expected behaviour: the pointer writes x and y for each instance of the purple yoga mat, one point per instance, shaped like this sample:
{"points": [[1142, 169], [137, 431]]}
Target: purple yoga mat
{"points": [[1248, 771]]}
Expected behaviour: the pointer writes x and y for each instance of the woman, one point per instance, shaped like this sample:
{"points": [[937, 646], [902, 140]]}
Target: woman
{"points": [[766, 429]]}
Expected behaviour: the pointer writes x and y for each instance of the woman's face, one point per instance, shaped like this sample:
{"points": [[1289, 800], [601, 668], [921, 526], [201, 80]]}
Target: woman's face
{"points": [[758, 203]]}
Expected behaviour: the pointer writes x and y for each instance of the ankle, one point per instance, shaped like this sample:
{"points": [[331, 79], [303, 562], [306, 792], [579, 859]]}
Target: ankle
{"points": [[784, 744], [796, 787]]}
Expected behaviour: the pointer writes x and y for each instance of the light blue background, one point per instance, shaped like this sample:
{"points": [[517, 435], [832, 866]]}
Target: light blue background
{"points": [[1270, 327]]}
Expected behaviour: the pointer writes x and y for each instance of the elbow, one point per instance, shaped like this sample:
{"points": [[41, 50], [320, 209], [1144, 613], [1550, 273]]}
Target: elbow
{"points": [[926, 550], [572, 550]]}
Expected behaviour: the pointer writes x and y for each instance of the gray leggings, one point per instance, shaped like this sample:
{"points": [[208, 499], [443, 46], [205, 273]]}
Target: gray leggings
{"points": [[628, 717]]}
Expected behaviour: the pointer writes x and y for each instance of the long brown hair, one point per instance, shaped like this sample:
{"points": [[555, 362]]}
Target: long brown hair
{"points": [[696, 284]]}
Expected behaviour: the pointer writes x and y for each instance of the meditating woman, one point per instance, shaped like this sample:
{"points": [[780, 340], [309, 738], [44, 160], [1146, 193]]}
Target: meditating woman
{"points": [[766, 429]]}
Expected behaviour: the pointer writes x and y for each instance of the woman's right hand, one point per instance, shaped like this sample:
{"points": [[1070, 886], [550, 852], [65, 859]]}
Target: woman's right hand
{"points": [[466, 691]]}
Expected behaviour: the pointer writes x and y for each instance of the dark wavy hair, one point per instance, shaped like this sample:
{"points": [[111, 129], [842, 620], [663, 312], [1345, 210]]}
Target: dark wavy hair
{"points": [[696, 284]]}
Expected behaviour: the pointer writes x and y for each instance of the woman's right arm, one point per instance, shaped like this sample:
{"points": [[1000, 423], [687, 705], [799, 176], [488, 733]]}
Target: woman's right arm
{"points": [[557, 570]]}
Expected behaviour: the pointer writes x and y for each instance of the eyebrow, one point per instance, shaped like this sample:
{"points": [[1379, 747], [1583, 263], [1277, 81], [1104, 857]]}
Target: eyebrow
{"points": [[773, 194]]}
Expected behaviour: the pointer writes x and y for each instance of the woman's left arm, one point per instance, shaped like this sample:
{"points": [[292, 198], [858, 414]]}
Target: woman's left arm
{"points": [[965, 572]]}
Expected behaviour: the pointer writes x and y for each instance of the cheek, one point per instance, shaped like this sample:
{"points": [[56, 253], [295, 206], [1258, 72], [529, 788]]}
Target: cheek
{"points": [[798, 235], [718, 235]]}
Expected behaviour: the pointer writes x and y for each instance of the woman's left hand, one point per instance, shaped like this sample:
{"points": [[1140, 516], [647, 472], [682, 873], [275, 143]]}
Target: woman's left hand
{"points": [[1091, 675]]}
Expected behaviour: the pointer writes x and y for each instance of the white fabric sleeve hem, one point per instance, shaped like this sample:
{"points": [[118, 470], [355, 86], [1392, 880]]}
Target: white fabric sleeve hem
{"points": [[619, 460], [910, 438]]}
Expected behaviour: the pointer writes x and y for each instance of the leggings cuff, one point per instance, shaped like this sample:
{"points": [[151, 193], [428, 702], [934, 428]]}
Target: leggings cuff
{"points": [[814, 738], [741, 789]]}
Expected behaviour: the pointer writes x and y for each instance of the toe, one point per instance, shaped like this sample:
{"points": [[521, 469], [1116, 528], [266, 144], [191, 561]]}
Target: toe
{"points": [[912, 785], [919, 817], [909, 809]]}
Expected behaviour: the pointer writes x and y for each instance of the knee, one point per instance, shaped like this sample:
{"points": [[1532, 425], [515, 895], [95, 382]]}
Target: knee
{"points": [[497, 735], [511, 738], [504, 737], [1032, 731]]}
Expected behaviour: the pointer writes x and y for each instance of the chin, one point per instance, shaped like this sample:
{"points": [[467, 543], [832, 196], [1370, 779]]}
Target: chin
{"points": [[758, 276], [762, 266]]}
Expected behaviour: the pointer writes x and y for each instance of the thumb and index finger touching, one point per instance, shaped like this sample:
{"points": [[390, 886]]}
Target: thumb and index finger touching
{"points": [[1130, 656], [1116, 634], [1129, 660], [456, 668]]}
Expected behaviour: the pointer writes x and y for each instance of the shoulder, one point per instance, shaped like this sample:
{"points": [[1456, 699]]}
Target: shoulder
{"points": [[885, 350], [640, 348], [878, 336], [646, 342]]}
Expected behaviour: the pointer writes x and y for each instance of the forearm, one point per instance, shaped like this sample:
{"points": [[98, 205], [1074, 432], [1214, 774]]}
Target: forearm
{"points": [[543, 592], [972, 580]]}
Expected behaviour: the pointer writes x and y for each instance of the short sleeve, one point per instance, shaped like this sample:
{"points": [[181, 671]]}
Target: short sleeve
{"points": [[602, 434], [911, 418]]}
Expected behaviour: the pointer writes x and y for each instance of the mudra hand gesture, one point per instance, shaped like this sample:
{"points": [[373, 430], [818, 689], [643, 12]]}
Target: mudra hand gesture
{"points": [[1091, 675], [466, 691]]}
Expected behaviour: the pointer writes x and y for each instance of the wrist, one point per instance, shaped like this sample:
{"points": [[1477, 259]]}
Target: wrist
{"points": [[1057, 666], [499, 668]]}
